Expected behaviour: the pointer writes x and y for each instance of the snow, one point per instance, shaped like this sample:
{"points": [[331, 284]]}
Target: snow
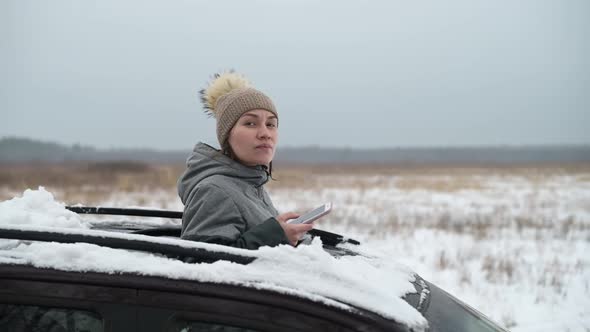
{"points": [[374, 283], [38, 208], [515, 249]]}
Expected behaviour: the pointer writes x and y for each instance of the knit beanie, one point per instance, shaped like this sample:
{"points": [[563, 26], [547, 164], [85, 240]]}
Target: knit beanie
{"points": [[227, 97]]}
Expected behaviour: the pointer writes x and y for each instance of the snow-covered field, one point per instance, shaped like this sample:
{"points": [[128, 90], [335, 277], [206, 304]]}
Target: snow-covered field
{"points": [[513, 244]]}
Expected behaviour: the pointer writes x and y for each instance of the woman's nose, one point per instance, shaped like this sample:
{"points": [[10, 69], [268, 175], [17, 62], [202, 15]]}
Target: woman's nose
{"points": [[263, 132]]}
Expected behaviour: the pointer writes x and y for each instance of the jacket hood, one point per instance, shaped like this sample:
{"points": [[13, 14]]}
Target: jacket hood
{"points": [[206, 161]]}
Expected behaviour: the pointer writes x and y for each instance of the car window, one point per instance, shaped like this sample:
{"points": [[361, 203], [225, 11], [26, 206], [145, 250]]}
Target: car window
{"points": [[196, 326], [36, 318]]}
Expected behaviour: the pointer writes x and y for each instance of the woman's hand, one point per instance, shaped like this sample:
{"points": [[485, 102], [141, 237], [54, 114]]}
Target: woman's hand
{"points": [[294, 232]]}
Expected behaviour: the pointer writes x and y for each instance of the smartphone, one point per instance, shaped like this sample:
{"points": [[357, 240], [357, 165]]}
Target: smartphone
{"points": [[312, 215]]}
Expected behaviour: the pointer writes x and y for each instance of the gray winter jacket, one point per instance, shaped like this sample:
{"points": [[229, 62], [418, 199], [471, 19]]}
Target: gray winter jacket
{"points": [[225, 202]]}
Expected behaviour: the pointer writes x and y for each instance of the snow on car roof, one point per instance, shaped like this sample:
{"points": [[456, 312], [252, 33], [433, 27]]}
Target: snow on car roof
{"points": [[373, 283]]}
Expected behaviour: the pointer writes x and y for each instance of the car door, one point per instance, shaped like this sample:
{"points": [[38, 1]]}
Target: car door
{"points": [[181, 306], [32, 299]]}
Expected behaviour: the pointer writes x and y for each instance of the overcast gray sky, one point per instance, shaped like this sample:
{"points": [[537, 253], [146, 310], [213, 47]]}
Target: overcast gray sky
{"points": [[125, 73]]}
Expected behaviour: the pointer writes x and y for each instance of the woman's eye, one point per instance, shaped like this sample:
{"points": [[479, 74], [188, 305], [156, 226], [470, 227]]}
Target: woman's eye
{"points": [[272, 125], [250, 124]]}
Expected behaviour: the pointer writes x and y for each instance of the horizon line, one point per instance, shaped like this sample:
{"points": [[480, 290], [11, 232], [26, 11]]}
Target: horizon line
{"points": [[316, 146]]}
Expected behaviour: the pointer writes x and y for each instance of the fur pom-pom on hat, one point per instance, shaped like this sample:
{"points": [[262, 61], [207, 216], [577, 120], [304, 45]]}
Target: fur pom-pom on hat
{"points": [[227, 97], [221, 84]]}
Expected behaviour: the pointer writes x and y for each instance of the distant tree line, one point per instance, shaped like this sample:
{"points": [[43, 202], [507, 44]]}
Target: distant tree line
{"points": [[15, 150]]}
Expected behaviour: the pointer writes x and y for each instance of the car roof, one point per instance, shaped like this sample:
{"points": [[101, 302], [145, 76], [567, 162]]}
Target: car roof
{"points": [[340, 274]]}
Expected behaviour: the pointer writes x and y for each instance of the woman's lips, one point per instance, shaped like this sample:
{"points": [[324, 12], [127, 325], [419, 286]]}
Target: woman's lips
{"points": [[264, 147]]}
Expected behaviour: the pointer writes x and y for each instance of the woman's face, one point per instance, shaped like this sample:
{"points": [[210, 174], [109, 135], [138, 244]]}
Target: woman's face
{"points": [[254, 137]]}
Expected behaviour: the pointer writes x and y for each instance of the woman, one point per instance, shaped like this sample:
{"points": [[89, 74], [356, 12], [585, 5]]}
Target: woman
{"points": [[222, 190]]}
